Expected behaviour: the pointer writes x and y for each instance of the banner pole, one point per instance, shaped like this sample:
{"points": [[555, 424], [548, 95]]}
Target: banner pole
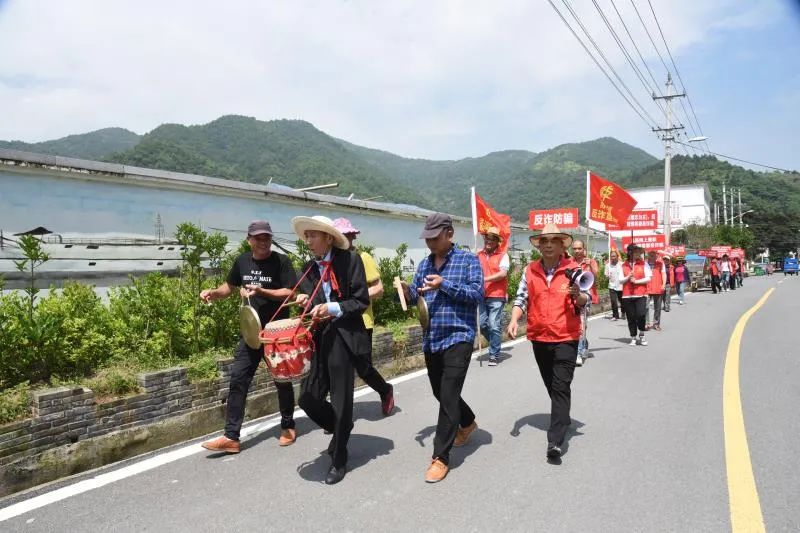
{"points": [[475, 247]]}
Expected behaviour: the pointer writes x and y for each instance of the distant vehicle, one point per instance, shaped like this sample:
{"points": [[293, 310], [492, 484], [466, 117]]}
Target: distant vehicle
{"points": [[698, 272], [790, 265]]}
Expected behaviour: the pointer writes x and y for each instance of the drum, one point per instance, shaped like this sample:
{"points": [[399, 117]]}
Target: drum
{"points": [[288, 348]]}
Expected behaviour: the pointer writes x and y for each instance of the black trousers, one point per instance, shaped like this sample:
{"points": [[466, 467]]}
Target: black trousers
{"points": [[245, 364], [447, 371], [331, 372], [556, 363], [616, 303], [368, 373], [732, 281], [715, 285], [636, 311]]}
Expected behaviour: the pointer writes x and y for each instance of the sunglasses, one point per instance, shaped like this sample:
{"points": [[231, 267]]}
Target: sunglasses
{"points": [[545, 240]]}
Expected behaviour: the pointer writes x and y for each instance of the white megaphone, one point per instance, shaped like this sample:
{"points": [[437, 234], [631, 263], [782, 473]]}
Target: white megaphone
{"points": [[584, 279]]}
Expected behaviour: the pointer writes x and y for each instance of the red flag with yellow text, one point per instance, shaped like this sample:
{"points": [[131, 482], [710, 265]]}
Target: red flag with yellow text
{"points": [[486, 217], [608, 202]]}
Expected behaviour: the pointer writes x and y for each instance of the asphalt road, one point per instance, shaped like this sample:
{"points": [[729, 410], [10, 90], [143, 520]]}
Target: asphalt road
{"points": [[645, 452]]}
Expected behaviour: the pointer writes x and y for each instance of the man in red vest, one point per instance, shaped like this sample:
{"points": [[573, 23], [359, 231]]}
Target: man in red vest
{"points": [[636, 277], [494, 263], [553, 305]]}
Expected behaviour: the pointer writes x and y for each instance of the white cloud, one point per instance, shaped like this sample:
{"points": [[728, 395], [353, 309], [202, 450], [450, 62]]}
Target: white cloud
{"points": [[420, 78]]}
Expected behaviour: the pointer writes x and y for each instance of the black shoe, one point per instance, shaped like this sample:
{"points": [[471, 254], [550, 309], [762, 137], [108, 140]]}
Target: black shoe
{"points": [[553, 451], [335, 475]]}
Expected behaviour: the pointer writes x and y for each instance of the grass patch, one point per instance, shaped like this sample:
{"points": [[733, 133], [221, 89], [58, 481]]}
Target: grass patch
{"points": [[14, 403]]}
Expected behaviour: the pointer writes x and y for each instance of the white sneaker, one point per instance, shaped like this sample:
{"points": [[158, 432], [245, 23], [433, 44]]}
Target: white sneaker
{"points": [[633, 342], [642, 341], [579, 361]]}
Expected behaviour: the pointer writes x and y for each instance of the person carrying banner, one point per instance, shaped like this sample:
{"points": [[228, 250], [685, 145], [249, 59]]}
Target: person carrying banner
{"points": [[553, 305], [494, 263], [636, 276]]}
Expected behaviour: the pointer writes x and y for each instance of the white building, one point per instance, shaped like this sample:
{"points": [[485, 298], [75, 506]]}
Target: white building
{"points": [[689, 204]]}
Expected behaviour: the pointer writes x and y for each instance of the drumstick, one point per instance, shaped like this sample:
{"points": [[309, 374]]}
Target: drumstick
{"points": [[400, 293]]}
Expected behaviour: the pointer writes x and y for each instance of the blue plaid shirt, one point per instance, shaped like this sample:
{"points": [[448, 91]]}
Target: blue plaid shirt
{"points": [[453, 308]]}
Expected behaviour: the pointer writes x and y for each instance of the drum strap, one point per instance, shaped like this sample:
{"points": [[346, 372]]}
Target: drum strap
{"points": [[307, 307]]}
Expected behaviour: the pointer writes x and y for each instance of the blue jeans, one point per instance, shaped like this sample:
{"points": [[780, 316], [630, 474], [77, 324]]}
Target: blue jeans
{"points": [[680, 286], [491, 319], [583, 342]]}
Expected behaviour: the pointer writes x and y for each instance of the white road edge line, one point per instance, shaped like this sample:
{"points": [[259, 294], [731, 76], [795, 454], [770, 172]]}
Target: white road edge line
{"points": [[248, 432]]}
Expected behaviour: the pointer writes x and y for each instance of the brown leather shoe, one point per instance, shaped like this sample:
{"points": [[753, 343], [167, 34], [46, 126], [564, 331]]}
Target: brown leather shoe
{"points": [[288, 436], [436, 472], [462, 435], [222, 444]]}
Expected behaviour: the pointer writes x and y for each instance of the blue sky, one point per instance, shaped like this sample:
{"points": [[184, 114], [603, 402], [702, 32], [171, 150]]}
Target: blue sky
{"points": [[432, 79]]}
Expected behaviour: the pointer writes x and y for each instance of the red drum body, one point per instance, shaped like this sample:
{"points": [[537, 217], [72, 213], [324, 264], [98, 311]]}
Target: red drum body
{"points": [[288, 348]]}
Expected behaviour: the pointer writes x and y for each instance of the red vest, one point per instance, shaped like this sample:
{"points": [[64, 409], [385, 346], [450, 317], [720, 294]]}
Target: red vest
{"points": [[593, 290], [656, 279], [491, 265], [551, 310], [714, 269], [629, 289]]}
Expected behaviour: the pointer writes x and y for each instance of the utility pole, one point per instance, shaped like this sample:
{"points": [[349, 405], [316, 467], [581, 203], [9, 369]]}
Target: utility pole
{"points": [[724, 205], [667, 137], [741, 222], [732, 223]]}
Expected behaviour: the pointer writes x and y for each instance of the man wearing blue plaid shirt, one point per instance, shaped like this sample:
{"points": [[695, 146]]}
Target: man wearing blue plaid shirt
{"points": [[451, 281]]}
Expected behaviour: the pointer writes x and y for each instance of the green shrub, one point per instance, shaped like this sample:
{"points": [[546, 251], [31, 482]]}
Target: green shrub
{"points": [[14, 403], [113, 381]]}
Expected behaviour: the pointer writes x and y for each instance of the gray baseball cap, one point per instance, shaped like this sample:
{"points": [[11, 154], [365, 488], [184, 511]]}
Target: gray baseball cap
{"points": [[259, 227], [434, 225]]}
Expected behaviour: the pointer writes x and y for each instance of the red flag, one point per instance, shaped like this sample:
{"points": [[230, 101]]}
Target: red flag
{"points": [[612, 244], [486, 217], [608, 202]]}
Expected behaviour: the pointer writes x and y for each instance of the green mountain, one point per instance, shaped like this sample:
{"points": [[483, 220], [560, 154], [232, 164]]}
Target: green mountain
{"points": [[93, 145], [293, 152]]}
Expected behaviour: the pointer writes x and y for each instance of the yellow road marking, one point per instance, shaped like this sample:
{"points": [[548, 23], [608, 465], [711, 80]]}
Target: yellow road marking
{"points": [[742, 493]]}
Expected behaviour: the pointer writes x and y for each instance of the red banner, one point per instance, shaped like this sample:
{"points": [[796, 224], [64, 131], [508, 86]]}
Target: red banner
{"points": [[608, 202], [644, 219], [721, 250], [648, 242], [488, 217], [563, 218], [675, 251]]}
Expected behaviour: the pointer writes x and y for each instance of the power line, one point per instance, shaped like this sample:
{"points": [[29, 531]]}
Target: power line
{"points": [[569, 27], [607, 62], [677, 72], [627, 55], [742, 160]]}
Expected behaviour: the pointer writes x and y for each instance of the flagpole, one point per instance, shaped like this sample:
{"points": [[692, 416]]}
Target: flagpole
{"points": [[475, 247], [588, 185]]}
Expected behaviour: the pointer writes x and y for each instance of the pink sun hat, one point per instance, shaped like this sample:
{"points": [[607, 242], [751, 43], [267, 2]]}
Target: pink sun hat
{"points": [[345, 226]]}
